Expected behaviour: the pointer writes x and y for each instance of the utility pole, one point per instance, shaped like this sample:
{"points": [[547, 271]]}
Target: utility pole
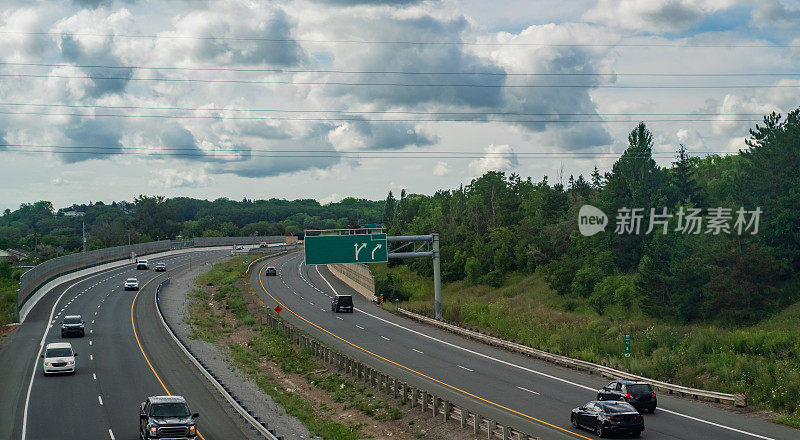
{"points": [[83, 229]]}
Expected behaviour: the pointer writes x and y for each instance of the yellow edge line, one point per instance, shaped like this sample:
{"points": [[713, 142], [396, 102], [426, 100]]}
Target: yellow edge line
{"points": [[412, 370], [135, 335]]}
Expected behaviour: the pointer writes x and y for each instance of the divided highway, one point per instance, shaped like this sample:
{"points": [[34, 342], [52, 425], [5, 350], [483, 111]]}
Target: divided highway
{"points": [[125, 356], [527, 394]]}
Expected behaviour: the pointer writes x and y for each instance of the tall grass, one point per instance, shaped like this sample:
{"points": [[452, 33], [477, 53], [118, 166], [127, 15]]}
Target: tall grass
{"points": [[8, 300], [762, 360]]}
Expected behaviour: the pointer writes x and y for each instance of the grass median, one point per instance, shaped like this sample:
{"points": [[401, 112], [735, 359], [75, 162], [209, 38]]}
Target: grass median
{"points": [[223, 311]]}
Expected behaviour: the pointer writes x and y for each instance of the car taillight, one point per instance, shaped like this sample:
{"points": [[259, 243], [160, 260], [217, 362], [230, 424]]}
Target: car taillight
{"points": [[654, 394], [613, 418], [628, 396]]}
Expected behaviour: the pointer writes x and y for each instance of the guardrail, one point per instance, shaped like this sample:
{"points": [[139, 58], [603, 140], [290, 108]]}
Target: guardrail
{"points": [[697, 394], [255, 422], [402, 391]]}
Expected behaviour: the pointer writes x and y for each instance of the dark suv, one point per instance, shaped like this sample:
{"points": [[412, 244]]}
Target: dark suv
{"points": [[167, 417], [72, 325], [270, 272], [639, 394], [342, 302]]}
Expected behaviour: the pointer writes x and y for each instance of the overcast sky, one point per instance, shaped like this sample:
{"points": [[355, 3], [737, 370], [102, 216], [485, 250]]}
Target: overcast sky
{"points": [[359, 96]]}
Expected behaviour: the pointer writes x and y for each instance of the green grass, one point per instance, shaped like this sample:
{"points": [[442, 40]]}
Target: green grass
{"points": [[272, 345], [762, 360], [246, 359], [8, 300]]}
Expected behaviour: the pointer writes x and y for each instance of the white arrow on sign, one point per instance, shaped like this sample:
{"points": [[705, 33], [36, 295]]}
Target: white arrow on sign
{"points": [[358, 248], [376, 248]]}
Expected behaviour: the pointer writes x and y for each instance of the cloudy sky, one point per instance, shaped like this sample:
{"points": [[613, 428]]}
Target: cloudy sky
{"points": [[109, 99]]}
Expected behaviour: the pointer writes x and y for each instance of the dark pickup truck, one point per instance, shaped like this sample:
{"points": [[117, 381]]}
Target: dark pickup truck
{"points": [[167, 417]]}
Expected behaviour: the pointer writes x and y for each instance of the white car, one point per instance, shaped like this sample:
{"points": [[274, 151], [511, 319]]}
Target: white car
{"points": [[142, 265], [59, 358], [131, 284]]}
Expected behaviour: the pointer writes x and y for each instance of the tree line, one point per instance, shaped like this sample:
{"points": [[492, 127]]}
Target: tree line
{"points": [[46, 232], [499, 224]]}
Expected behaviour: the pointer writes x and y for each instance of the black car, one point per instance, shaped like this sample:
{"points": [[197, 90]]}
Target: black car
{"points": [[638, 394], [72, 325], [167, 417], [270, 272], [342, 302], [161, 267], [606, 417]]}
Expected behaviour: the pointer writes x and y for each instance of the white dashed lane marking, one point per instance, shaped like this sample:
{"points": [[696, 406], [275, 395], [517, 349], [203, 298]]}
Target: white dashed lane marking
{"points": [[417, 351], [362, 328], [530, 391], [465, 368], [94, 376], [339, 318], [91, 357], [100, 399], [384, 337]]}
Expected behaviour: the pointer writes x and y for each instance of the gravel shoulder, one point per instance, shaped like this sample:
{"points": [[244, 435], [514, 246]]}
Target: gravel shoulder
{"points": [[174, 300]]}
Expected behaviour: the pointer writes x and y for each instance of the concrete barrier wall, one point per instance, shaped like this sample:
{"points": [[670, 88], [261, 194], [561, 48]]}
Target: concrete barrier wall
{"points": [[35, 278], [230, 241], [356, 275], [31, 281]]}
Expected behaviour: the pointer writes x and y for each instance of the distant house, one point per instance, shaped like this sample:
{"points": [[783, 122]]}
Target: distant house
{"points": [[13, 255], [7, 257]]}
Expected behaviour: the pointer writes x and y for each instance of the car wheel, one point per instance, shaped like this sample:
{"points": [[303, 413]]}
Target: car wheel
{"points": [[599, 430], [574, 421], [652, 410]]}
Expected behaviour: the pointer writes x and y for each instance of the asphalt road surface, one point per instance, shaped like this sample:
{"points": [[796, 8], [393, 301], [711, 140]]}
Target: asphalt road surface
{"points": [[125, 356], [527, 394]]}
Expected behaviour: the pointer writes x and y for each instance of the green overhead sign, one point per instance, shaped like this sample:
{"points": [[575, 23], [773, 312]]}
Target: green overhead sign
{"points": [[356, 248]]}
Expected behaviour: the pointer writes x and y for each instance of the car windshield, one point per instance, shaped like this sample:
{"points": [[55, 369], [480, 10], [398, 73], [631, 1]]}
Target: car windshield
{"points": [[640, 389], [131, 280], [72, 320], [617, 407], [58, 352], [346, 300], [169, 410]]}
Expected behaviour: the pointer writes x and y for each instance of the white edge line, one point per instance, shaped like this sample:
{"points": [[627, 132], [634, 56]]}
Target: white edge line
{"points": [[540, 373], [41, 347], [111, 434]]}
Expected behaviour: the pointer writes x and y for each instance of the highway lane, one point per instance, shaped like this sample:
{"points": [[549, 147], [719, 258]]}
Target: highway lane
{"points": [[517, 390], [101, 400]]}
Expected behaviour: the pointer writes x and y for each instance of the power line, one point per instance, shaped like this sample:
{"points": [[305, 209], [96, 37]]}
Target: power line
{"points": [[311, 153], [400, 72], [401, 42], [391, 84], [355, 112], [355, 119]]}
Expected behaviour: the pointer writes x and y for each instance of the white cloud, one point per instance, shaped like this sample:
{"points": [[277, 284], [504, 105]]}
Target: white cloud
{"points": [[497, 158], [333, 198], [441, 169], [58, 181], [172, 178], [654, 16]]}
